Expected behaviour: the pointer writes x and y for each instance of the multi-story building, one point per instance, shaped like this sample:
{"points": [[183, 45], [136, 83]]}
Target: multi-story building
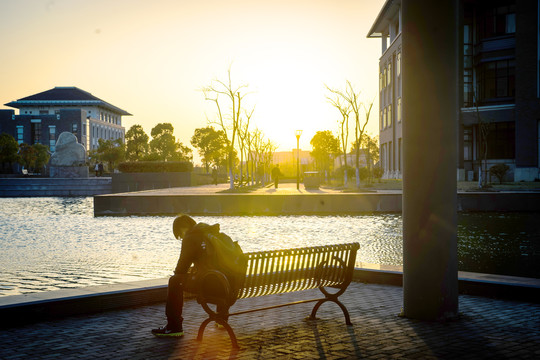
{"points": [[387, 26], [499, 87], [339, 160], [43, 116]]}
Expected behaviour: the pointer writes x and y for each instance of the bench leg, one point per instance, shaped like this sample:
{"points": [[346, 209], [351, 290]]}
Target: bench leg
{"points": [[313, 315], [223, 323]]}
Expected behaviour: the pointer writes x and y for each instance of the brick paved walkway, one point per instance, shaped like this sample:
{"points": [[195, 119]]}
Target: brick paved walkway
{"points": [[488, 328]]}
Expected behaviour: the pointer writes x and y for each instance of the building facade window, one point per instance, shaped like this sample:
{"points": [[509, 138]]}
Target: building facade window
{"points": [[389, 115], [383, 156], [497, 20], [399, 110], [389, 75], [467, 143], [390, 157], [20, 134], [399, 154], [496, 81], [468, 90], [398, 64], [52, 138], [501, 139], [35, 132], [385, 118]]}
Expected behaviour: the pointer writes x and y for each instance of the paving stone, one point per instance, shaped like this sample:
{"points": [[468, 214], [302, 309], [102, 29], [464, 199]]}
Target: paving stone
{"points": [[487, 327]]}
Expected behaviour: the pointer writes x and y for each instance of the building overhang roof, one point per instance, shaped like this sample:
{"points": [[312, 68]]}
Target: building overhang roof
{"points": [[65, 96], [387, 13]]}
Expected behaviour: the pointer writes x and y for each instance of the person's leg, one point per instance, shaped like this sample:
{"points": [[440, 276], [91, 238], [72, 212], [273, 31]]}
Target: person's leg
{"points": [[173, 309], [175, 303]]}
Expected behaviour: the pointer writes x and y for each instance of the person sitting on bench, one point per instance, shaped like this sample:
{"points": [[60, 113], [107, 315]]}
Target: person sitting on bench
{"points": [[195, 240]]}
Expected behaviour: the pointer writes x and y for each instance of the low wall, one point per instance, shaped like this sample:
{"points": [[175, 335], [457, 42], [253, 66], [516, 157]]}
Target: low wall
{"points": [[18, 310], [44, 187], [245, 204], [294, 204], [521, 201], [128, 182]]}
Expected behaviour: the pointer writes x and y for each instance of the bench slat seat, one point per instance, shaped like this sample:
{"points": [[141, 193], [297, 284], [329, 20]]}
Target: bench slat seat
{"points": [[282, 271]]}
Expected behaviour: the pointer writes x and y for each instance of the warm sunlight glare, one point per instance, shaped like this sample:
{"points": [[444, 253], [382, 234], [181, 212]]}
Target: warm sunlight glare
{"points": [[152, 58]]}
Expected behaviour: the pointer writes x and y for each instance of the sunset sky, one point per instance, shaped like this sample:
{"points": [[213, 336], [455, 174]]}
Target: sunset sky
{"points": [[151, 58]]}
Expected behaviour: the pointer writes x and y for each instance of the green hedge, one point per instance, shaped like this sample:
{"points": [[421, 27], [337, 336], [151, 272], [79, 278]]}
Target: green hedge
{"points": [[155, 166]]}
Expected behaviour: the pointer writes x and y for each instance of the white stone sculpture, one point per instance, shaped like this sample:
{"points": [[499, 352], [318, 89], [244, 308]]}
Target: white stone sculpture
{"points": [[68, 151]]}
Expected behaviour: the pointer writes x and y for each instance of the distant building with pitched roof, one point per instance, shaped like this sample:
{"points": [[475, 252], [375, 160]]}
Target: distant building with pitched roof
{"points": [[44, 116]]}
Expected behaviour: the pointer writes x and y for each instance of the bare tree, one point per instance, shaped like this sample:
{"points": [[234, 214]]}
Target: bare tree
{"points": [[483, 127], [268, 152], [258, 145], [229, 122], [243, 140], [250, 156], [371, 148], [352, 99], [343, 130]]}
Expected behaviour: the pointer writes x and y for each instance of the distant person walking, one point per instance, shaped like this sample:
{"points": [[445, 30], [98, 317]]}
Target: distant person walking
{"points": [[214, 176], [276, 173], [96, 169], [100, 169]]}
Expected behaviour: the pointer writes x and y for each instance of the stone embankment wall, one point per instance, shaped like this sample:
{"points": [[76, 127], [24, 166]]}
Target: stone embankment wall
{"points": [[128, 182], [43, 187], [147, 203]]}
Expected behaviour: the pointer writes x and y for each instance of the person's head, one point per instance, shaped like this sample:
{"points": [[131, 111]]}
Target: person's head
{"points": [[181, 225]]}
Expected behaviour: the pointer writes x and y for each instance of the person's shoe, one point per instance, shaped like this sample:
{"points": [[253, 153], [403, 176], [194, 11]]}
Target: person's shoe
{"points": [[165, 331]]}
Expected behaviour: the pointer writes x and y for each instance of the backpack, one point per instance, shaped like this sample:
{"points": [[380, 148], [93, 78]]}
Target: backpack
{"points": [[224, 255]]}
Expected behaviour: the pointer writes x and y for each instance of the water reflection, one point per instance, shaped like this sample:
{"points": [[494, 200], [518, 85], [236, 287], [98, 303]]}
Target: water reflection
{"points": [[499, 243], [52, 243]]}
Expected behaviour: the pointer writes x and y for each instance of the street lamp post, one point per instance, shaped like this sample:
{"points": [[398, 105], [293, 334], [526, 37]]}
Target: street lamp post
{"points": [[298, 133]]}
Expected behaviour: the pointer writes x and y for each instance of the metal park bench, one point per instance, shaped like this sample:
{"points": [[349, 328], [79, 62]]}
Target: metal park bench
{"points": [[281, 271]]}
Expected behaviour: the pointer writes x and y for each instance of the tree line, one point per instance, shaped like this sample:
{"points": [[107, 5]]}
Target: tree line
{"points": [[230, 143], [31, 157], [163, 146]]}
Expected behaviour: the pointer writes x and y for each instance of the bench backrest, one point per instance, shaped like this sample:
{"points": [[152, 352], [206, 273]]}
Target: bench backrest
{"points": [[280, 271]]}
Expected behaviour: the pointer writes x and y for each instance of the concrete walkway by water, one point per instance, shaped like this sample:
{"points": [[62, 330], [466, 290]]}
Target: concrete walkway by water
{"points": [[487, 329], [283, 189], [287, 200]]}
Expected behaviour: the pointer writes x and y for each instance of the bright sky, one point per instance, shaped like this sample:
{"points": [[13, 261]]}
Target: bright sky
{"points": [[152, 57]]}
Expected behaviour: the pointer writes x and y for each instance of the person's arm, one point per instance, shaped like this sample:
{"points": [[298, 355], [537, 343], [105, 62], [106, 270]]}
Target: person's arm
{"points": [[190, 247]]}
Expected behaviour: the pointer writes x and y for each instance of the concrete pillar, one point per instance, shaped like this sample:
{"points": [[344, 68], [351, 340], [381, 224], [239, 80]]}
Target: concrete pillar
{"points": [[430, 122]]}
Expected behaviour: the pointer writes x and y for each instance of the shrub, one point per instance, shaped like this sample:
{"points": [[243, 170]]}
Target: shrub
{"points": [[499, 171], [155, 166], [363, 172], [378, 172], [339, 172]]}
